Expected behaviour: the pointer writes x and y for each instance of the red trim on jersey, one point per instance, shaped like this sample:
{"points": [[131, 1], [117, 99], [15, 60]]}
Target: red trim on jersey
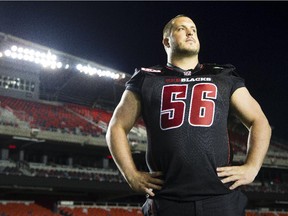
{"points": [[229, 148]]}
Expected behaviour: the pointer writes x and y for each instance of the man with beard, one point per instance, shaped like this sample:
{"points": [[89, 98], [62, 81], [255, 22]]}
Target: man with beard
{"points": [[185, 106]]}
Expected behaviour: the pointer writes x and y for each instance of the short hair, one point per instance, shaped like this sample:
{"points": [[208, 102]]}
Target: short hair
{"points": [[168, 26]]}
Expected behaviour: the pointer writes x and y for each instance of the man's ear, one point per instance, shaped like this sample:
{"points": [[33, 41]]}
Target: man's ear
{"points": [[165, 42]]}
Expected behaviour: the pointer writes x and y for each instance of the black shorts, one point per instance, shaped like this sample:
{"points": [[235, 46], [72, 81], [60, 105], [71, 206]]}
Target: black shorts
{"points": [[232, 204]]}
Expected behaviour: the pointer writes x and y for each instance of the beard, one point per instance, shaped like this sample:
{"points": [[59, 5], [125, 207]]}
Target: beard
{"points": [[181, 51]]}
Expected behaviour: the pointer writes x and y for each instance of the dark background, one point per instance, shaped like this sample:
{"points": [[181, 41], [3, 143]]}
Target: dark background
{"points": [[125, 35]]}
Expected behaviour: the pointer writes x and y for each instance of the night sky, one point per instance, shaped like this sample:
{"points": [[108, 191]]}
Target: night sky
{"points": [[125, 35]]}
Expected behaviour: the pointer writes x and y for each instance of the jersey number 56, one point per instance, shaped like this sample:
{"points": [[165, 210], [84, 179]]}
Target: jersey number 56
{"points": [[201, 107]]}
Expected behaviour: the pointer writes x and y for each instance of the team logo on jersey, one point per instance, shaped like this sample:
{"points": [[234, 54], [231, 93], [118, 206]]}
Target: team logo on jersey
{"points": [[196, 79], [187, 73], [190, 79]]}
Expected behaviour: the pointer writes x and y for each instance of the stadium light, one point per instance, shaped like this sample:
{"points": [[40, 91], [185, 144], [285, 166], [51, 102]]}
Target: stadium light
{"points": [[46, 60], [49, 60], [87, 69]]}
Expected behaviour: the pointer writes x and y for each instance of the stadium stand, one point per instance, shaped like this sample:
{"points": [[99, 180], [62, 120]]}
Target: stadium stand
{"points": [[24, 209], [28, 208], [65, 118], [48, 117], [101, 211]]}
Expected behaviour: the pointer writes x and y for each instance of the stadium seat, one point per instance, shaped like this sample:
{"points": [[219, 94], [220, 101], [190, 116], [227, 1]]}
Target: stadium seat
{"points": [[24, 209]]}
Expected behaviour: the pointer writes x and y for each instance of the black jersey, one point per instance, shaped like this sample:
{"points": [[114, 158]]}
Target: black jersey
{"points": [[186, 113]]}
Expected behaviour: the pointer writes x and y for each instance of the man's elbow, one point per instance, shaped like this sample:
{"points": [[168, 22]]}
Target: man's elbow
{"points": [[114, 132], [263, 124], [266, 125], [269, 129], [109, 134]]}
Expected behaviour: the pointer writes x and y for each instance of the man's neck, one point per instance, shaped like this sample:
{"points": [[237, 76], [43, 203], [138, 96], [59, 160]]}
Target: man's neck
{"points": [[184, 63]]}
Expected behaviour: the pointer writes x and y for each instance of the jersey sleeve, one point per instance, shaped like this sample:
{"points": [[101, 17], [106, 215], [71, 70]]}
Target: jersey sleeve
{"points": [[135, 83], [237, 81]]}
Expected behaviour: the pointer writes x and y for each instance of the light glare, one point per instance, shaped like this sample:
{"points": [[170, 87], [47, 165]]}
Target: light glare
{"points": [[45, 59], [14, 48], [49, 60], [87, 69]]}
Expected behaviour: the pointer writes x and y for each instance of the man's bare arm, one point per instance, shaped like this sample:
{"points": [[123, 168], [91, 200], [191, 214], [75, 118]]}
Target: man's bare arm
{"points": [[250, 113], [124, 117]]}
